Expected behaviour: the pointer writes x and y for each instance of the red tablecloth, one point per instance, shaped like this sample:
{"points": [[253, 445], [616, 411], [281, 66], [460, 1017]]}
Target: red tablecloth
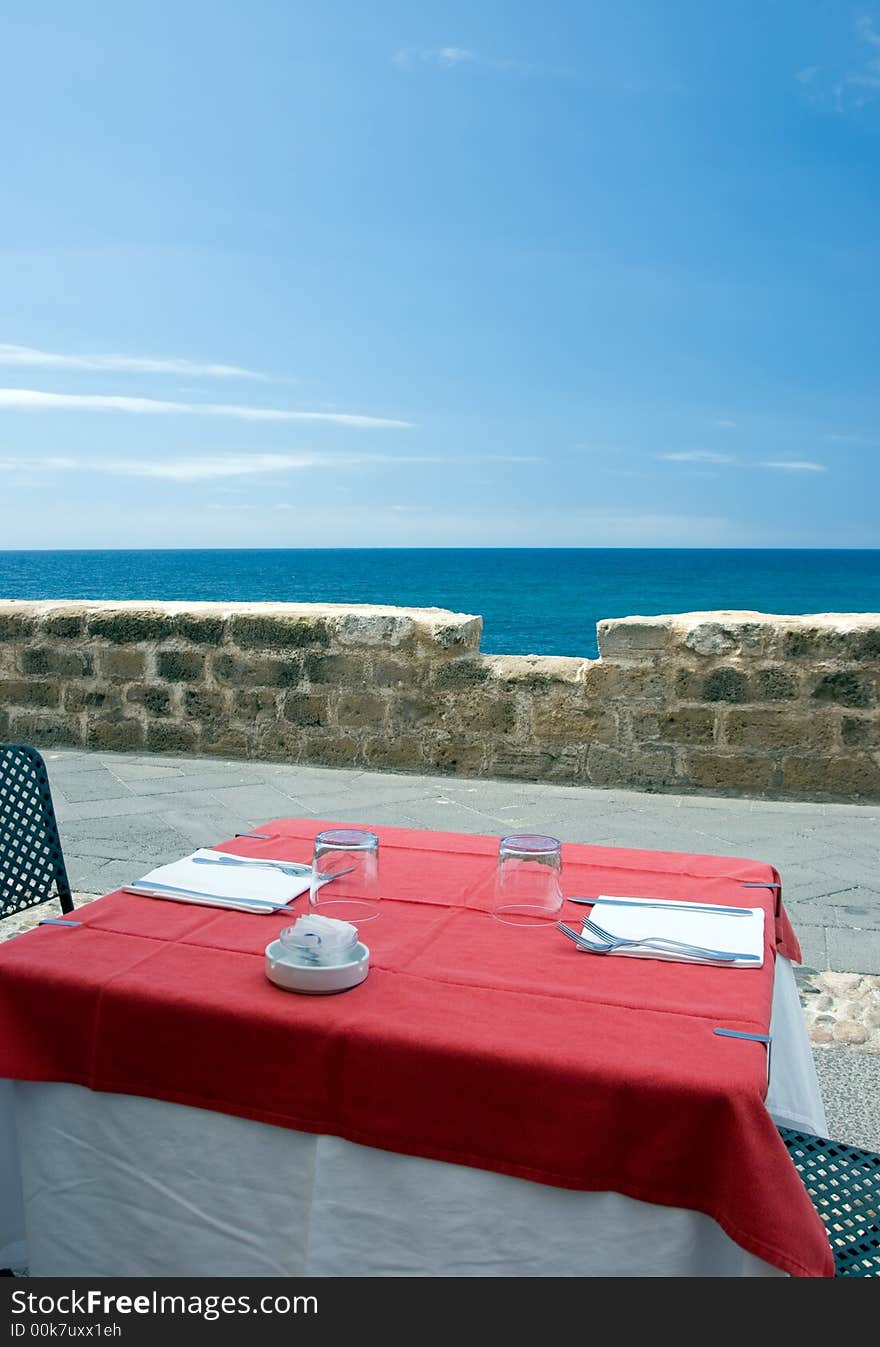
{"points": [[470, 1041]]}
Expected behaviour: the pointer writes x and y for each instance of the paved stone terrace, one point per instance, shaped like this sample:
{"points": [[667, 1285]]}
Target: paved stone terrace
{"points": [[120, 814]]}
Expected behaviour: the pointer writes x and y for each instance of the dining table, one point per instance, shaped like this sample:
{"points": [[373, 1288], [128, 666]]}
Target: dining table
{"points": [[489, 1101]]}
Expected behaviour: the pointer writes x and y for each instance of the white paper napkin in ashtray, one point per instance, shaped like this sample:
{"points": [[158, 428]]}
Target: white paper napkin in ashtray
{"points": [[220, 885], [712, 930]]}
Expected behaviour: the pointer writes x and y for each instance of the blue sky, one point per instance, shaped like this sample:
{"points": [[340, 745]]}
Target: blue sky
{"points": [[590, 273]]}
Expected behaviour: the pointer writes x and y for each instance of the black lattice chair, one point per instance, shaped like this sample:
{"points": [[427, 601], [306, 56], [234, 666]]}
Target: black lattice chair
{"points": [[32, 868], [844, 1186]]}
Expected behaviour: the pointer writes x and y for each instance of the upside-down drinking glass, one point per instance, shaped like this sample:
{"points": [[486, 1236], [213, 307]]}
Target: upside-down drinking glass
{"points": [[528, 890], [353, 855]]}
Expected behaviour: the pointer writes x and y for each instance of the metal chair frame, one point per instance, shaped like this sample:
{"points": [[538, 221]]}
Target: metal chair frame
{"points": [[32, 868], [844, 1186]]}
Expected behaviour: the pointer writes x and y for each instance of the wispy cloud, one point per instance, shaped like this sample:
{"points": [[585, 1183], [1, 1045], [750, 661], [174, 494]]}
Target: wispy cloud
{"points": [[29, 358], [27, 399], [447, 58], [795, 465], [217, 467], [855, 87], [853, 439], [697, 456], [726, 425]]}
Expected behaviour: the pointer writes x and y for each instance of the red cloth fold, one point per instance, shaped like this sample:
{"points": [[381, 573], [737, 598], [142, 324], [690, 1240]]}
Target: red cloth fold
{"points": [[470, 1041]]}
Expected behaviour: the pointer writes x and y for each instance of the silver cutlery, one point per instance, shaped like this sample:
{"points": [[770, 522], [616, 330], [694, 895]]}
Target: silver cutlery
{"points": [[603, 945], [674, 907], [681, 945], [225, 899], [208, 899], [286, 867]]}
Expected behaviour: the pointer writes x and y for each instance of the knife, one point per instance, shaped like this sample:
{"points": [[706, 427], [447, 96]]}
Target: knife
{"points": [[674, 907]]}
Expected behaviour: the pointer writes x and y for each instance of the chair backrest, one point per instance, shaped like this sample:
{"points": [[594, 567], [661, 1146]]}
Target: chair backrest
{"points": [[32, 868], [844, 1186]]}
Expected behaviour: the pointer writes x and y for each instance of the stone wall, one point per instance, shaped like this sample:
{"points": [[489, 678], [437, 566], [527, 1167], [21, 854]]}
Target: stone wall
{"points": [[734, 702]]}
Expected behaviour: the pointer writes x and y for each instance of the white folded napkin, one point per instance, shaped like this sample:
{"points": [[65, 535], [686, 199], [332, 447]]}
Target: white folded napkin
{"points": [[743, 935], [314, 939], [247, 888]]}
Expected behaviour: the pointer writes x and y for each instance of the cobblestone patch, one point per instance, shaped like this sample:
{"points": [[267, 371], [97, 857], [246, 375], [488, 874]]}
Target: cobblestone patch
{"points": [[842, 1010]]}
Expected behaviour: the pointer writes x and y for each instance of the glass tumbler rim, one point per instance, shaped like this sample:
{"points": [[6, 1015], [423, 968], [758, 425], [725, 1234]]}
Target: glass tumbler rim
{"points": [[347, 839], [529, 844]]}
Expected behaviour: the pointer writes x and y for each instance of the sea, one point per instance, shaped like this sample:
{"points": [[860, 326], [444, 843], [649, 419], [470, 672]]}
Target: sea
{"points": [[543, 601]]}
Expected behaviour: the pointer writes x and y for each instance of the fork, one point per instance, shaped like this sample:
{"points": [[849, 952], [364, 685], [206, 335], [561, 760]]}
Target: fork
{"points": [[609, 943], [679, 944], [286, 867]]}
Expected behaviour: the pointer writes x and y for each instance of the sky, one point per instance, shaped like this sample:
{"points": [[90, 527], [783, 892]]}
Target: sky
{"points": [[584, 273]]}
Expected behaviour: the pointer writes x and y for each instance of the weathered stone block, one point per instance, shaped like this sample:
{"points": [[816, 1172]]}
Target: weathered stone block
{"points": [[478, 712], [130, 627], [155, 700], [23, 693], [633, 637], [843, 687], [169, 736], [16, 626], [774, 685], [398, 752], [371, 629], [734, 635], [53, 731], [772, 727], [356, 710], [461, 673], [568, 717], [530, 764], [240, 671], [647, 767], [115, 734], [861, 731], [278, 633], [252, 703], [848, 640], [455, 636], [726, 685], [46, 660], [126, 665], [64, 626], [689, 725], [398, 673], [410, 709], [332, 750], [223, 740], [339, 669], [851, 774], [605, 683], [539, 673], [276, 739], [306, 708], [199, 628], [180, 666], [748, 772], [204, 704], [79, 698], [452, 754]]}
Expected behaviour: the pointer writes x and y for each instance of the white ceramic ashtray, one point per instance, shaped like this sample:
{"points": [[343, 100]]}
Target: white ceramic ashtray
{"points": [[318, 979]]}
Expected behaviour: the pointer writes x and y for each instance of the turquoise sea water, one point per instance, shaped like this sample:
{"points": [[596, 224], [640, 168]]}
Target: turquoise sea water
{"points": [[541, 601]]}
